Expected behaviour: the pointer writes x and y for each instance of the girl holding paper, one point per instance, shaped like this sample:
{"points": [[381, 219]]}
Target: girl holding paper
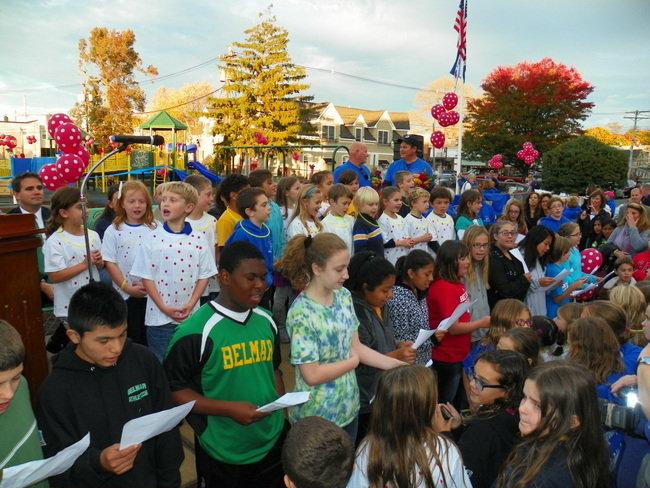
{"points": [[535, 250], [446, 293], [574, 264], [322, 324], [508, 278], [561, 294]]}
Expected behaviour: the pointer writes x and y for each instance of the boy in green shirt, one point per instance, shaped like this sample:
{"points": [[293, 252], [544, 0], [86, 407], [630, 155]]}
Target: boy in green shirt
{"points": [[226, 357], [19, 442]]}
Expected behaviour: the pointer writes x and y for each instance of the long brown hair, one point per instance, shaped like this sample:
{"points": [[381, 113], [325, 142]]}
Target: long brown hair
{"points": [[281, 198], [593, 344], [567, 394], [469, 237], [120, 213], [503, 318], [469, 196], [522, 228], [402, 441], [643, 223], [63, 199]]}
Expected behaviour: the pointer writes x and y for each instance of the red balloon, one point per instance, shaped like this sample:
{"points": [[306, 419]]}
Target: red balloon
{"points": [[67, 137], [521, 154], [437, 139], [450, 100], [437, 111], [443, 120], [529, 160], [497, 157], [55, 121], [2, 136], [527, 145], [82, 154], [454, 117], [70, 167], [50, 177]]}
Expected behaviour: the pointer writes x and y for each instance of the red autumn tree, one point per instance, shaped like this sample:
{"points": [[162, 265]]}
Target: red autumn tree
{"points": [[542, 102]]}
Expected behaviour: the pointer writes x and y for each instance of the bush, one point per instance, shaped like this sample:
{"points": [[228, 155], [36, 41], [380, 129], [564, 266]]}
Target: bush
{"points": [[582, 161]]}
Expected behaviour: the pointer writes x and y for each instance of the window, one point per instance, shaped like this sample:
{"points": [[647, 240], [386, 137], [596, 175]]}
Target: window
{"points": [[358, 134], [382, 136], [327, 132]]}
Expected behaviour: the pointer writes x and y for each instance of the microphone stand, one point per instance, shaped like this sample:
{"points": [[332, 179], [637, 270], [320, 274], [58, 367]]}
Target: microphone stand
{"points": [[84, 204]]}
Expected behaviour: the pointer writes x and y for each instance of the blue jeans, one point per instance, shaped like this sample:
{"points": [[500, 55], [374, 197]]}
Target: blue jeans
{"points": [[158, 337], [449, 378]]}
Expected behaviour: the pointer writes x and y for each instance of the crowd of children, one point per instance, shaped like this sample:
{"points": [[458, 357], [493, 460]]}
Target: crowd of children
{"points": [[505, 396]]}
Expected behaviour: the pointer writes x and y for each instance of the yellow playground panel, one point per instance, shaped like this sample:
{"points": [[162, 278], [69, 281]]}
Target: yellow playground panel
{"points": [[109, 171], [5, 168]]}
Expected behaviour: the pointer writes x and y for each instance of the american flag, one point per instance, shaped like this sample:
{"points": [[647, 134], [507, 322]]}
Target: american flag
{"points": [[460, 26]]}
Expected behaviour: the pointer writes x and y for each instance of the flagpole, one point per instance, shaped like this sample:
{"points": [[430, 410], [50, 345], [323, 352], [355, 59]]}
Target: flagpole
{"points": [[458, 164]]}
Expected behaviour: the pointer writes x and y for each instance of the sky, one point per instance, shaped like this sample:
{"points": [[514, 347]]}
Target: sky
{"points": [[407, 43]]}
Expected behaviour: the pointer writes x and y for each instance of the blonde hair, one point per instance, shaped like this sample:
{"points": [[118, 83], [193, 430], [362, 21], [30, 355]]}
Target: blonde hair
{"points": [[522, 228], [572, 201], [592, 343], [504, 316], [561, 246], [632, 301], [470, 235], [417, 193], [365, 196], [307, 192], [184, 190], [120, 213]]}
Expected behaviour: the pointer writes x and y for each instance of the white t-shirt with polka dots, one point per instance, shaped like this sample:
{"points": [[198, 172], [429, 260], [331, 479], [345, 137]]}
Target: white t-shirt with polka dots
{"points": [[417, 227], [393, 228], [174, 262], [442, 228], [63, 250], [120, 246], [207, 225]]}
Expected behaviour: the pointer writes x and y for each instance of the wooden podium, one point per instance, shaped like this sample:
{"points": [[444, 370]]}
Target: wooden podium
{"points": [[20, 293]]}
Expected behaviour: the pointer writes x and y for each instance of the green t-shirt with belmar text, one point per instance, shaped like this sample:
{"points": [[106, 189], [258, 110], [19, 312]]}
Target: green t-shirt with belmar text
{"points": [[230, 356]]}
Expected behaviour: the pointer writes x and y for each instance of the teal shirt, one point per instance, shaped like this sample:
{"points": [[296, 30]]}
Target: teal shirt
{"points": [[464, 222], [276, 225]]}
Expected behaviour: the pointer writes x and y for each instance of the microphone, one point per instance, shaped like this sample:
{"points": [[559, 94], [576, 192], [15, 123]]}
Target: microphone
{"points": [[126, 140]]}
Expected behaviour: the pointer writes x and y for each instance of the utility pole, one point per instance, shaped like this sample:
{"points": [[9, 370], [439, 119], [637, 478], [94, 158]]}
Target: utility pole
{"points": [[635, 115]]}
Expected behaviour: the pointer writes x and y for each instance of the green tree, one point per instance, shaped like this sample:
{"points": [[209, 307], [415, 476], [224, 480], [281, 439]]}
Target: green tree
{"points": [[186, 103], [583, 160], [263, 90], [108, 62], [542, 102]]}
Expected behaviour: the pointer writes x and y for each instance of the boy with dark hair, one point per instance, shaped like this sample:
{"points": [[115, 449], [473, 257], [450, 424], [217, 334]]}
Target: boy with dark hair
{"points": [[262, 178], [253, 206], [20, 443], [98, 383], [317, 454], [441, 223], [227, 196], [226, 357]]}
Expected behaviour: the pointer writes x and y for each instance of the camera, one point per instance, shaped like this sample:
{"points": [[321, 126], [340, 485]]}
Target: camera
{"points": [[628, 417]]}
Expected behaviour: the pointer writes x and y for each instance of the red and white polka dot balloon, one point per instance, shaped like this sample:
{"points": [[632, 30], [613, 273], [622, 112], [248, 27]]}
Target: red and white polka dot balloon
{"points": [[81, 153], [70, 167], [55, 121], [67, 137], [591, 260], [450, 100], [50, 177]]}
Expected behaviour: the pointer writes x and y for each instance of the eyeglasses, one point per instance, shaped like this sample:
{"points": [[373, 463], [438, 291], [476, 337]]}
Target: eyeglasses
{"points": [[524, 322], [480, 385], [480, 246], [511, 233], [579, 234]]}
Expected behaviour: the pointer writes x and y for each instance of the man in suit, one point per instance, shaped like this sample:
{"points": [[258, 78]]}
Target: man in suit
{"points": [[28, 191]]}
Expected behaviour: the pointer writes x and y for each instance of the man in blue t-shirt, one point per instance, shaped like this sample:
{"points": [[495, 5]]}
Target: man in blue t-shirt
{"points": [[408, 151], [355, 162]]}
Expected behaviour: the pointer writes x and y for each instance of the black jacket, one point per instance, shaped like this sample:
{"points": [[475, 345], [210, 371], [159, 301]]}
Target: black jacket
{"points": [[485, 443], [586, 224], [378, 335], [506, 278], [78, 397], [44, 211]]}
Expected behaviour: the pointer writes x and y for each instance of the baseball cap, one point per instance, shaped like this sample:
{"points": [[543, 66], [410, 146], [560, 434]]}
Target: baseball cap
{"points": [[409, 139]]}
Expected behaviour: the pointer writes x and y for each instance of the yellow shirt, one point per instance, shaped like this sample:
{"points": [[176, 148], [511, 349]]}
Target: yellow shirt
{"points": [[351, 210], [226, 225]]}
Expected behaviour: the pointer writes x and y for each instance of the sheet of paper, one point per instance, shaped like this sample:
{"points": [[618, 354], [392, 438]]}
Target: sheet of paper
{"points": [[516, 253], [461, 233], [136, 431], [559, 278], [455, 315], [519, 238], [423, 335], [286, 400], [608, 276], [584, 290], [429, 363], [30, 473]]}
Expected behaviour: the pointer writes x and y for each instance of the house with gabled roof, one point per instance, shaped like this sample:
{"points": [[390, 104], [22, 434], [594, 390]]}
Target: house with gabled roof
{"points": [[341, 126]]}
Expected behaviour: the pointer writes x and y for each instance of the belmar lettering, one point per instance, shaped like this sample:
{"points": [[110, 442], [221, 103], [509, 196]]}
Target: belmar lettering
{"points": [[244, 353], [137, 392]]}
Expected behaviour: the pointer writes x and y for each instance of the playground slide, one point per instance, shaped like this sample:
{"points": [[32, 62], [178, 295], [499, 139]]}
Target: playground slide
{"points": [[204, 171]]}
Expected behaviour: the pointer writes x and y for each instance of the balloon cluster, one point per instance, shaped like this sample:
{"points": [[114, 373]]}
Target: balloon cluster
{"points": [[8, 141], [31, 139], [89, 141], [69, 167], [261, 139], [528, 154], [446, 116], [496, 162], [295, 156]]}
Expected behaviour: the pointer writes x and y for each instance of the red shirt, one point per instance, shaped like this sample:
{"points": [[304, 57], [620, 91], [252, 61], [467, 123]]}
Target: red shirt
{"points": [[443, 297], [641, 265]]}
